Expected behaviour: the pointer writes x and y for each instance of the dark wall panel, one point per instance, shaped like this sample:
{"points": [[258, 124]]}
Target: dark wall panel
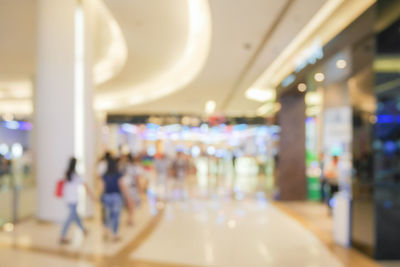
{"points": [[292, 168]]}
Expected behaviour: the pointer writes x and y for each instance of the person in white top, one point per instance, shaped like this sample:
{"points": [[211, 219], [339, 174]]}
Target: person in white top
{"points": [[162, 166], [70, 195], [133, 172]]}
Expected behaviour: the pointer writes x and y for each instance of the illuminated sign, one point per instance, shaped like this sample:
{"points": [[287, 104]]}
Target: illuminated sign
{"points": [[18, 125], [309, 56]]}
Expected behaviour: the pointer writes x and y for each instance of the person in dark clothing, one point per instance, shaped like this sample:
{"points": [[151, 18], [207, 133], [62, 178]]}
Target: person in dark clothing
{"points": [[331, 173], [323, 182], [112, 197]]}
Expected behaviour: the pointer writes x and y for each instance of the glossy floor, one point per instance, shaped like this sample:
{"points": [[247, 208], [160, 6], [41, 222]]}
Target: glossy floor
{"points": [[232, 233], [212, 224]]}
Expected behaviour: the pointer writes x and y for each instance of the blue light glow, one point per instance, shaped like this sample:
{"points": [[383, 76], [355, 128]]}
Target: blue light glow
{"points": [[12, 125], [129, 128], [390, 147], [152, 126], [336, 151], [332, 202], [240, 127], [385, 118], [388, 204], [288, 80]]}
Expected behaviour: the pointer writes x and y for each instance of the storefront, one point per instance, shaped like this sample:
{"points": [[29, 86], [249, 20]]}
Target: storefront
{"points": [[252, 146], [17, 192], [351, 92]]}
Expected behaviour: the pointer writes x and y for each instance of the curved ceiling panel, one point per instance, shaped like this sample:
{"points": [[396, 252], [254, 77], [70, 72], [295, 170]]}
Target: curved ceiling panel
{"points": [[168, 44], [110, 49]]}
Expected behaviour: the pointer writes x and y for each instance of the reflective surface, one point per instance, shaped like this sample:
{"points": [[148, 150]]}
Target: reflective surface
{"points": [[225, 232], [215, 221]]}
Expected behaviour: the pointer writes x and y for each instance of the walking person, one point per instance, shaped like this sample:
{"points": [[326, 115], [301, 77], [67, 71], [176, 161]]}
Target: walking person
{"points": [[70, 194], [162, 164], [331, 173], [102, 164], [132, 176], [323, 182], [112, 198], [180, 170]]}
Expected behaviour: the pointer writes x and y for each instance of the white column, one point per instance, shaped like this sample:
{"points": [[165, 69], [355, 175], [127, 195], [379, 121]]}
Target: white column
{"points": [[114, 139], [89, 122], [101, 133], [63, 104]]}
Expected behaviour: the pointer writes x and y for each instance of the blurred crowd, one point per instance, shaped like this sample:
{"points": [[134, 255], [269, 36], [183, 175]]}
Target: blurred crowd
{"points": [[15, 171], [125, 181]]}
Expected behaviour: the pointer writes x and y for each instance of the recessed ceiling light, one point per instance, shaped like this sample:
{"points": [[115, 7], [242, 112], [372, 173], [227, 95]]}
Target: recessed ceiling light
{"points": [[319, 77], [265, 109], [261, 95], [341, 64], [313, 98], [302, 87], [210, 106]]}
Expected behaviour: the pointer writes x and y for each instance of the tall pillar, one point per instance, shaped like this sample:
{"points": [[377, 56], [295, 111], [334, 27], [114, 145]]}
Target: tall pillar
{"points": [[114, 139], [292, 162], [89, 123], [63, 119], [101, 133]]}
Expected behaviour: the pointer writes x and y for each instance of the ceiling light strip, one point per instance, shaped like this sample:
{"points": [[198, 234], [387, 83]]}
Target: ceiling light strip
{"points": [[185, 69], [283, 65], [79, 88]]}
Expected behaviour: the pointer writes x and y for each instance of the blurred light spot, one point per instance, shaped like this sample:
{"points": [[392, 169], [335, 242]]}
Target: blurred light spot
{"points": [[196, 151], [17, 150], [12, 125], [8, 227], [211, 150], [210, 106], [385, 118], [232, 224], [160, 205], [302, 87], [341, 64], [319, 77], [4, 149], [151, 151]]}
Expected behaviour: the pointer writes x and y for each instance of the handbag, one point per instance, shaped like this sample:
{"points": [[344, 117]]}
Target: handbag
{"points": [[60, 188]]}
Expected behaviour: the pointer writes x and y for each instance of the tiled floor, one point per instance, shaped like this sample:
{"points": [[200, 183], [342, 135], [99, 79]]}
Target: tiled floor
{"points": [[13, 257], [232, 233], [219, 232], [316, 217], [217, 226], [44, 236]]}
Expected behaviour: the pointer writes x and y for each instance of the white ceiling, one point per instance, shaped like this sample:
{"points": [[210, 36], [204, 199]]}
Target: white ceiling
{"points": [[246, 38], [235, 25], [155, 32], [18, 31]]}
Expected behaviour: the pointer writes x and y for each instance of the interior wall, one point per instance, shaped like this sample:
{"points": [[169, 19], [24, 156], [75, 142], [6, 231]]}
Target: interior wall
{"points": [[292, 150]]}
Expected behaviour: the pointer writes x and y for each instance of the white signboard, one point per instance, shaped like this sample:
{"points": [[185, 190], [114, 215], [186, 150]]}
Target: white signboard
{"points": [[337, 128]]}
